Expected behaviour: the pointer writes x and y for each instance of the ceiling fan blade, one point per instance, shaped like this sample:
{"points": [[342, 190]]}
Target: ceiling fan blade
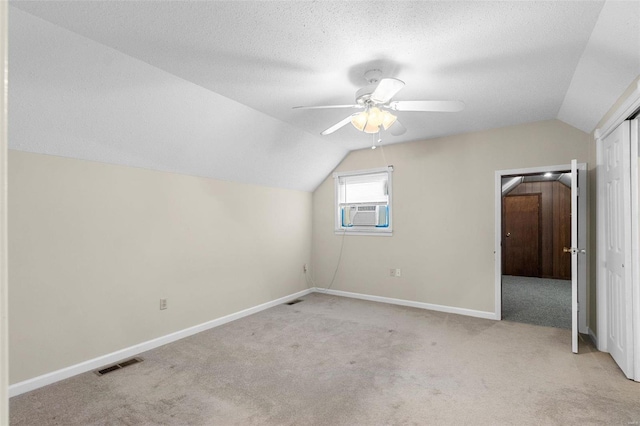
{"points": [[337, 126], [427, 106], [397, 129], [387, 88], [327, 106]]}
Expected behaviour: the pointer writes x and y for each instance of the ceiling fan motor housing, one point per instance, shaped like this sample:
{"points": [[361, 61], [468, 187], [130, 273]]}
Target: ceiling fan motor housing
{"points": [[373, 76], [363, 96]]}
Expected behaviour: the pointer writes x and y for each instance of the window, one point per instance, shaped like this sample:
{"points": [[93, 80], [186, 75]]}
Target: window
{"points": [[363, 202]]}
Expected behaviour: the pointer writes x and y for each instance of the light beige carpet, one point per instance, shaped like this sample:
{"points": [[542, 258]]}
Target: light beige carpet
{"points": [[339, 361]]}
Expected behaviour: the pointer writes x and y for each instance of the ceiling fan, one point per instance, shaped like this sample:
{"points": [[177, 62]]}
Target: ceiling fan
{"points": [[376, 101]]}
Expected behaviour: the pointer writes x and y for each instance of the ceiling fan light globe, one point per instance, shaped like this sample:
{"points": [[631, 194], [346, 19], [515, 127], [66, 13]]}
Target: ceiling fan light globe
{"points": [[371, 128], [376, 116], [359, 120], [369, 121], [388, 119]]}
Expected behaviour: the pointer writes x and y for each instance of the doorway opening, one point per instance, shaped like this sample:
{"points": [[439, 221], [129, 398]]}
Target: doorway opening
{"points": [[536, 260], [578, 239]]}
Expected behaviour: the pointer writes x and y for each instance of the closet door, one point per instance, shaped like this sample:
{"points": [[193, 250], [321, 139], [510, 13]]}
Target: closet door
{"points": [[617, 229]]}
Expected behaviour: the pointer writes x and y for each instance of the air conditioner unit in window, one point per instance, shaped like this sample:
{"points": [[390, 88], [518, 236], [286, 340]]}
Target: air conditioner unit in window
{"points": [[366, 215]]}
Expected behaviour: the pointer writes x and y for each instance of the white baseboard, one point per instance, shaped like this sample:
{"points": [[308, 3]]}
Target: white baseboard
{"points": [[113, 357], [95, 363], [592, 336], [402, 302]]}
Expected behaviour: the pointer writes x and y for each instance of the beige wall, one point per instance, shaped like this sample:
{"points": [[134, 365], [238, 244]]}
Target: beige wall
{"points": [[93, 247], [443, 201], [4, 328]]}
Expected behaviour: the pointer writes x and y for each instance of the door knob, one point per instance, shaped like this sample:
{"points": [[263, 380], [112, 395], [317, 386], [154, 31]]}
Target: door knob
{"points": [[573, 250], [508, 234]]}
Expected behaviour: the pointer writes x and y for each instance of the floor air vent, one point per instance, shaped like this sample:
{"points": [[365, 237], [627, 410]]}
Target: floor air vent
{"points": [[117, 366], [293, 302]]}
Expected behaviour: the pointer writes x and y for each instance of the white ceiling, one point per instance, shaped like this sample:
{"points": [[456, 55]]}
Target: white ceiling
{"points": [[608, 65], [206, 88]]}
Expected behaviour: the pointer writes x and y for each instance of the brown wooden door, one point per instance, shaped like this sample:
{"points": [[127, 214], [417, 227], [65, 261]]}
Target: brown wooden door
{"points": [[521, 235]]}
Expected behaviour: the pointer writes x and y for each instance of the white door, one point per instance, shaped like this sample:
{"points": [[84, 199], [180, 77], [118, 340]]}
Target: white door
{"points": [[617, 228], [574, 256]]}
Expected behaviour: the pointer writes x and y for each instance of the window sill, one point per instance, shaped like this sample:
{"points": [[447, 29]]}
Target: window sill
{"points": [[366, 233]]}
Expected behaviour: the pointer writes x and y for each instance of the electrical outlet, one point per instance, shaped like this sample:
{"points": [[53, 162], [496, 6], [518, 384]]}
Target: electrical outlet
{"points": [[163, 304], [392, 272], [398, 272], [304, 268]]}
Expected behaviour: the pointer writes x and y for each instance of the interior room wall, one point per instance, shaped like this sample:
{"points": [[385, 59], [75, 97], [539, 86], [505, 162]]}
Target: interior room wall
{"points": [[93, 247], [443, 213], [4, 284]]}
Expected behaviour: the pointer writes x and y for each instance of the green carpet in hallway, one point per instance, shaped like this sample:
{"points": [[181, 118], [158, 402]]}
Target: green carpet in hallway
{"points": [[539, 301]]}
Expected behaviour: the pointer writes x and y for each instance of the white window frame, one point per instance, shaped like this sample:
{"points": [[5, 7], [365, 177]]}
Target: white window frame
{"points": [[363, 230]]}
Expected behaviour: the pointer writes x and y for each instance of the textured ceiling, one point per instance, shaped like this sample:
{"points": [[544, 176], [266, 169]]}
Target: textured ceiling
{"points": [[609, 63], [72, 97], [234, 69]]}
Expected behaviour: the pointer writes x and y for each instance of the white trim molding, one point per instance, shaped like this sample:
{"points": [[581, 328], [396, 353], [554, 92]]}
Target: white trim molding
{"points": [[601, 273], [410, 303], [113, 357], [624, 111], [635, 241]]}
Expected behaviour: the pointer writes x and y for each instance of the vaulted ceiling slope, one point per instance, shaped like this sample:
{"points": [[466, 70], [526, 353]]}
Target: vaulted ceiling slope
{"points": [[609, 63], [72, 97], [207, 88]]}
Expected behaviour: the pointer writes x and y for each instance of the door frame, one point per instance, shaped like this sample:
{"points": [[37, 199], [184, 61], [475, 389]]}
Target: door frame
{"points": [[582, 235], [620, 114]]}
